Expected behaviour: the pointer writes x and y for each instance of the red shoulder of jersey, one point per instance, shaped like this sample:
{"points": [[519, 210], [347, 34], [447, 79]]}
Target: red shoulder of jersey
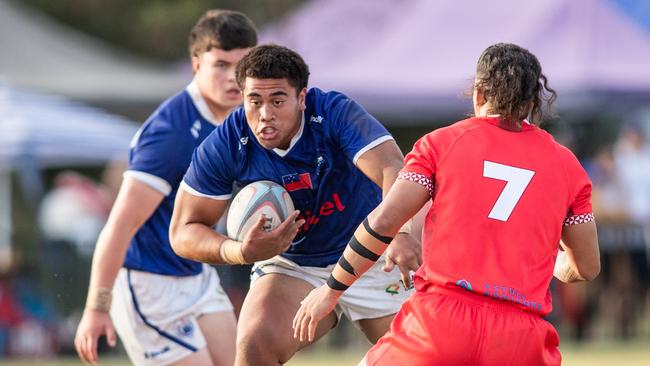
{"points": [[430, 149]]}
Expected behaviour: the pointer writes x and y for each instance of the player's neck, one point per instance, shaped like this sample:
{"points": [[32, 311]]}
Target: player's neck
{"points": [[218, 111], [484, 110]]}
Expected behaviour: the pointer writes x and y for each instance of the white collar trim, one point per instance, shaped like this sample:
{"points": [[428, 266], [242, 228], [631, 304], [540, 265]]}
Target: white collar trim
{"points": [[200, 103], [294, 140]]}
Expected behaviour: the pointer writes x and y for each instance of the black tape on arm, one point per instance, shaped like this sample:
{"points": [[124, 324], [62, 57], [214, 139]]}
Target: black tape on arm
{"points": [[362, 251], [347, 266], [335, 284], [381, 238]]}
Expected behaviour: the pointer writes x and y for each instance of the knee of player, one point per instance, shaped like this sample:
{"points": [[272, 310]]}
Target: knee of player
{"points": [[251, 340], [263, 343]]}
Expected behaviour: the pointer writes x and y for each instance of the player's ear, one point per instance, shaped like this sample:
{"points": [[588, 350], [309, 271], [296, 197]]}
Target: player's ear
{"points": [[478, 97], [196, 62], [301, 98]]}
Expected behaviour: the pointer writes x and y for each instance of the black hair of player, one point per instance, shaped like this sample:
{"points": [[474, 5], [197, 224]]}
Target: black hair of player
{"points": [[511, 80], [223, 29], [273, 62]]}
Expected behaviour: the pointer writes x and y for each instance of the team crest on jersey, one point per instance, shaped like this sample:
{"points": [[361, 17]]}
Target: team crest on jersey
{"points": [[185, 327], [294, 182]]}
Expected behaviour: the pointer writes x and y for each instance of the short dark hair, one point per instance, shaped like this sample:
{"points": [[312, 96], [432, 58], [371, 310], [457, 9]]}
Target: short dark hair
{"points": [[273, 62], [223, 29], [511, 80]]}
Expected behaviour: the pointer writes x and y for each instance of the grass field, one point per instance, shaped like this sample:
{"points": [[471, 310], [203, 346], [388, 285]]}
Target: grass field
{"points": [[591, 354]]}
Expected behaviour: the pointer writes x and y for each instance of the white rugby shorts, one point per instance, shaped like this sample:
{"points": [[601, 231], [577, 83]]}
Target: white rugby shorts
{"points": [[156, 316], [376, 294]]}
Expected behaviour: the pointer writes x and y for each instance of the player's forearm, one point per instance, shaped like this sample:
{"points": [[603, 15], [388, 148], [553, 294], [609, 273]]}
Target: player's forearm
{"points": [[108, 257], [198, 242], [363, 250]]}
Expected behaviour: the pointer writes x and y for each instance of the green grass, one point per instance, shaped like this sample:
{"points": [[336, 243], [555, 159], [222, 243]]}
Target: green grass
{"points": [[636, 353]]}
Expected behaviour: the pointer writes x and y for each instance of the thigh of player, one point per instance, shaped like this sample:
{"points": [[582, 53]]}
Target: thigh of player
{"points": [[264, 333], [219, 330]]}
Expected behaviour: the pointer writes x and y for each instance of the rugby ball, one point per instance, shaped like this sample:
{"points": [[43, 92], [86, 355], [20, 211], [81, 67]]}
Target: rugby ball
{"points": [[258, 198]]}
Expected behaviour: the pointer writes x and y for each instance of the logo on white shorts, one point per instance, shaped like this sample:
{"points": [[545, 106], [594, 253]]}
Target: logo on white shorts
{"points": [[153, 354], [393, 289], [185, 327]]}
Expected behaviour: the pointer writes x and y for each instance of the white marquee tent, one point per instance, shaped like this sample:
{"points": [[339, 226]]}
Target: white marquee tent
{"points": [[40, 131]]}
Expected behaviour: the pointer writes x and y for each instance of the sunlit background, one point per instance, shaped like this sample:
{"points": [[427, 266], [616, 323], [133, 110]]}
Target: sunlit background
{"points": [[77, 77]]}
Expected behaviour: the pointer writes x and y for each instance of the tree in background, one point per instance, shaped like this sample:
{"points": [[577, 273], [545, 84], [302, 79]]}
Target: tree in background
{"points": [[154, 28]]}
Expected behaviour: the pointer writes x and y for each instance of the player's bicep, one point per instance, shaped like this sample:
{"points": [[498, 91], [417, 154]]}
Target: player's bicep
{"points": [[580, 241], [190, 208], [380, 161], [135, 203]]}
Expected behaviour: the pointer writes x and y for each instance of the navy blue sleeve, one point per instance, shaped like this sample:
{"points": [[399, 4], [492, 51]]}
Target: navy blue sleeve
{"points": [[351, 126], [213, 167], [160, 154]]}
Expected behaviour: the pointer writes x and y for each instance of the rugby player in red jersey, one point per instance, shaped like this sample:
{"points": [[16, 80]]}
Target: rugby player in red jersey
{"points": [[503, 193]]}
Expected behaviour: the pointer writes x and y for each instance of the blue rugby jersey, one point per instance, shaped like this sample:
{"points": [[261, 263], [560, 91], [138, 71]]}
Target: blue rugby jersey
{"points": [[159, 155], [318, 170]]}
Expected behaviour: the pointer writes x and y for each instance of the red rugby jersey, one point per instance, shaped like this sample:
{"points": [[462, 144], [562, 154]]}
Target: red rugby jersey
{"points": [[500, 199]]}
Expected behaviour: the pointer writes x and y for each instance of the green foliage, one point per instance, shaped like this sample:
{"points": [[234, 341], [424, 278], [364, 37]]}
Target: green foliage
{"points": [[155, 28]]}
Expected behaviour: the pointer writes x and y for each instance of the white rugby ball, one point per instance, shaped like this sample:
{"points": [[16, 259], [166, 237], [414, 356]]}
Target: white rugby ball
{"points": [[258, 198]]}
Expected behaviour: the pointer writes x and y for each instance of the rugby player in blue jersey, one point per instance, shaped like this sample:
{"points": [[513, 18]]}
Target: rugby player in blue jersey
{"points": [[336, 161], [166, 309]]}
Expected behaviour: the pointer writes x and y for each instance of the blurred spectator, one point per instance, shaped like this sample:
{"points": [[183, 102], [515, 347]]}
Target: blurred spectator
{"points": [[621, 199], [632, 158], [577, 302], [608, 190], [10, 315], [629, 266], [74, 211], [27, 322]]}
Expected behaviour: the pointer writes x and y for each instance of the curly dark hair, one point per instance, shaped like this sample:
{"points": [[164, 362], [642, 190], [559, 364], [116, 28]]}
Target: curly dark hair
{"points": [[223, 29], [273, 62], [511, 80]]}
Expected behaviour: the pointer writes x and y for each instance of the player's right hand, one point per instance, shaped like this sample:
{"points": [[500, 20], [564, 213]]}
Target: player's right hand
{"points": [[260, 244], [93, 324], [405, 252]]}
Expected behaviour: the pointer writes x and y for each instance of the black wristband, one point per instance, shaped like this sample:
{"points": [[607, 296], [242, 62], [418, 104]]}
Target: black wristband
{"points": [[334, 284]]}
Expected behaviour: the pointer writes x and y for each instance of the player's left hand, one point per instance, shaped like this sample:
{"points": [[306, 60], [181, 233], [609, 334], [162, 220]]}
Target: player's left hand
{"points": [[405, 252], [320, 302]]}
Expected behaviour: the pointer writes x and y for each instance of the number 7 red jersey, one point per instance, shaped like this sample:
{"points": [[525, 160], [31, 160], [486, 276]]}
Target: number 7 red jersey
{"points": [[500, 199]]}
